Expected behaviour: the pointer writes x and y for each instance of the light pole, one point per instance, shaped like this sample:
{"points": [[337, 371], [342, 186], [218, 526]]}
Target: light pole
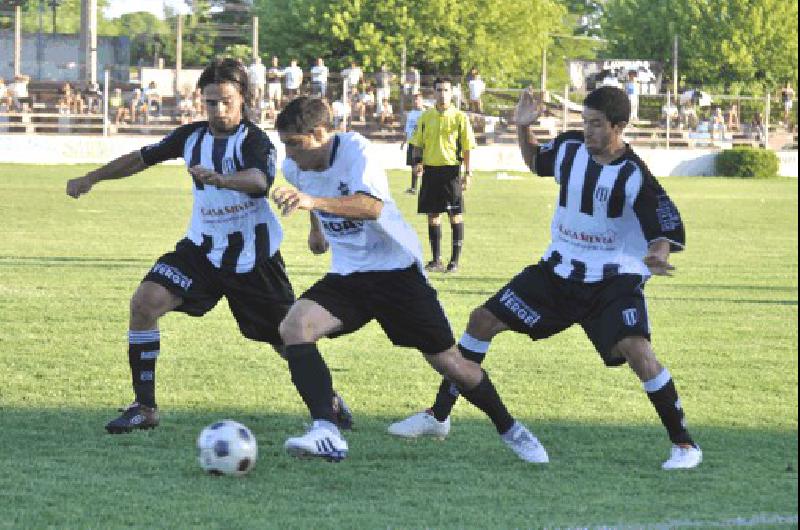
{"points": [[53, 5]]}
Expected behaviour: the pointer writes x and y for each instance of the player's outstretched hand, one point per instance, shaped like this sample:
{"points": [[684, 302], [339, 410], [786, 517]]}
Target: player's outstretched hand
{"points": [[206, 176], [527, 109], [659, 266], [317, 242], [79, 186], [289, 199]]}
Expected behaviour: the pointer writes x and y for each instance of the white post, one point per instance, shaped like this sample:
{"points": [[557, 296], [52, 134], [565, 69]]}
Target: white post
{"points": [[255, 38], [17, 40], [106, 79], [565, 125], [668, 113]]}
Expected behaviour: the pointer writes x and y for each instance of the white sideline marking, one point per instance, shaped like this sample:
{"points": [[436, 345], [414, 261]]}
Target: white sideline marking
{"points": [[738, 522]]}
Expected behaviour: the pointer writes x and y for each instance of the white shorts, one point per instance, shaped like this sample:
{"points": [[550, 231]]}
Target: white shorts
{"points": [[274, 91]]}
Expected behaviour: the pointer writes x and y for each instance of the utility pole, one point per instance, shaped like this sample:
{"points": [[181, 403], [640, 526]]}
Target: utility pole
{"points": [[178, 55], [402, 80], [255, 38], [88, 53], [675, 69], [17, 40], [40, 42]]}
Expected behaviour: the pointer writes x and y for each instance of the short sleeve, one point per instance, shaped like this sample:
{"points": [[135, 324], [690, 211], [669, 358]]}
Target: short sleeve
{"points": [[258, 152], [170, 147], [365, 175], [466, 134], [545, 161]]}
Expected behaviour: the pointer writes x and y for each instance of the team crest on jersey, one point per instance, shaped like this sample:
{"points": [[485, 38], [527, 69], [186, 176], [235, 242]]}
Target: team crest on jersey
{"points": [[630, 316], [601, 194], [228, 166], [343, 188]]}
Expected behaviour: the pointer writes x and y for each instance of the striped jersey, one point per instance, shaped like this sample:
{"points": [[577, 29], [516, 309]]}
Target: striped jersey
{"points": [[235, 230], [358, 245], [606, 215]]}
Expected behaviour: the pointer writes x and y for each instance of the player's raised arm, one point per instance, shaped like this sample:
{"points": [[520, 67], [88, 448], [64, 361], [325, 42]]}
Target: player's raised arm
{"points": [[124, 166], [525, 114]]}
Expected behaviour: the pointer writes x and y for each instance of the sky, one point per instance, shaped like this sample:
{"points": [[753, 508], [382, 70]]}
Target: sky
{"points": [[120, 7]]}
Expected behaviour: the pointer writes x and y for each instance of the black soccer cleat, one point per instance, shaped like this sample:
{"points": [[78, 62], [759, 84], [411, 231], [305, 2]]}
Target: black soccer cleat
{"points": [[344, 417], [135, 416]]}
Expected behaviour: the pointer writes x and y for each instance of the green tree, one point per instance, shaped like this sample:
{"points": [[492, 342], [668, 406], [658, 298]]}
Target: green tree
{"points": [[736, 45], [503, 38]]}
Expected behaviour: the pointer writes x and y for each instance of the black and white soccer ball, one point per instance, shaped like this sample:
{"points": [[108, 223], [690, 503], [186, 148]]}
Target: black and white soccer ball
{"points": [[227, 448]]}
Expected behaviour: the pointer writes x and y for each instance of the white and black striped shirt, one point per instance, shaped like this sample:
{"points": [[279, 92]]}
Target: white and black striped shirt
{"points": [[607, 215], [235, 230]]}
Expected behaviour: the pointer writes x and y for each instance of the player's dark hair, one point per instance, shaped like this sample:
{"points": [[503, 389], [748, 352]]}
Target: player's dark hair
{"points": [[441, 80], [304, 114], [226, 71], [611, 101]]}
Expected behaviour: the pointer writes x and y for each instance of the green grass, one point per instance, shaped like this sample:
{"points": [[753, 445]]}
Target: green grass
{"points": [[725, 325]]}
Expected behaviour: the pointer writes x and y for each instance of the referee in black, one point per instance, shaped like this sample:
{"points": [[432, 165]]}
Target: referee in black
{"points": [[442, 142]]}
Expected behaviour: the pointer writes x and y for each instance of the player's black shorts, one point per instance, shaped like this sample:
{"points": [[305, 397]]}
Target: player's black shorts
{"points": [[441, 190], [410, 155], [402, 302], [539, 303], [259, 299]]}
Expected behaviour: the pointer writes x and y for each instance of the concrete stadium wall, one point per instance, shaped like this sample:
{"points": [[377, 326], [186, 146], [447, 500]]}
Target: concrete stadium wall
{"points": [[81, 149], [61, 57]]}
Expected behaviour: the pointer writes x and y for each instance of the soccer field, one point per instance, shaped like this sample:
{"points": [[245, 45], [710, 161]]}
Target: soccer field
{"points": [[725, 325]]}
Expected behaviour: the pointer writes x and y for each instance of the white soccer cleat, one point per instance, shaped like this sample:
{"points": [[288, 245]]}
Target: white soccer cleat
{"points": [[421, 424], [525, 445], [683, 457], [319, 441]]}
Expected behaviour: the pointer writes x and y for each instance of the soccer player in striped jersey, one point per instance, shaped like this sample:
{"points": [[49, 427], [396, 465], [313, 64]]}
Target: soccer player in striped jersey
{"points": [[614, 226], [231, 247], [376, 273]]}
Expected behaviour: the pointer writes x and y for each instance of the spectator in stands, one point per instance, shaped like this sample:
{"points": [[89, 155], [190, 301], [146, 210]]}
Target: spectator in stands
{"points": [[153, 101], [66, 99], [6, 102], [412, 82], [351, 77], [93, 97], [787, 97], [472, 73], [256, 76], [757, 127], [632, 89], [117, 107], [476, 88], [366, 103], [186, 107], [319, 79], [137, 104], [383, 87], [293, 76], [274, 75], [386, 115], [717, 123], [733, 118], [339, 113], [20, 98], [353, 101]]}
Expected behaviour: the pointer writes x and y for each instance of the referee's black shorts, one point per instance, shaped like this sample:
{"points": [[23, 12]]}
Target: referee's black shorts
{"points": [[402, 301], [441, 190], [259, 299], [539, 303]]}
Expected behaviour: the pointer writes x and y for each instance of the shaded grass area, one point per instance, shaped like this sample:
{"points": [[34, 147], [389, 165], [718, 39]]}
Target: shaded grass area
{"points": [[725, 325]]}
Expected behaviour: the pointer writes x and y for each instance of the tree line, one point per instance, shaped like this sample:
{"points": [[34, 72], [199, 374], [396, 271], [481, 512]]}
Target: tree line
{"points": [[736, 46]]}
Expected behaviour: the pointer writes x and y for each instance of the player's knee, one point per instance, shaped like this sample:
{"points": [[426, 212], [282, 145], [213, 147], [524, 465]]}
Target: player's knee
{"points": [[145, 306], [483, 325], [296, 329], [634, 349]]}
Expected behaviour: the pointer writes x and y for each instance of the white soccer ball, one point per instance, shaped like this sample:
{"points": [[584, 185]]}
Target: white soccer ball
{"points": [[226, 448]]}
